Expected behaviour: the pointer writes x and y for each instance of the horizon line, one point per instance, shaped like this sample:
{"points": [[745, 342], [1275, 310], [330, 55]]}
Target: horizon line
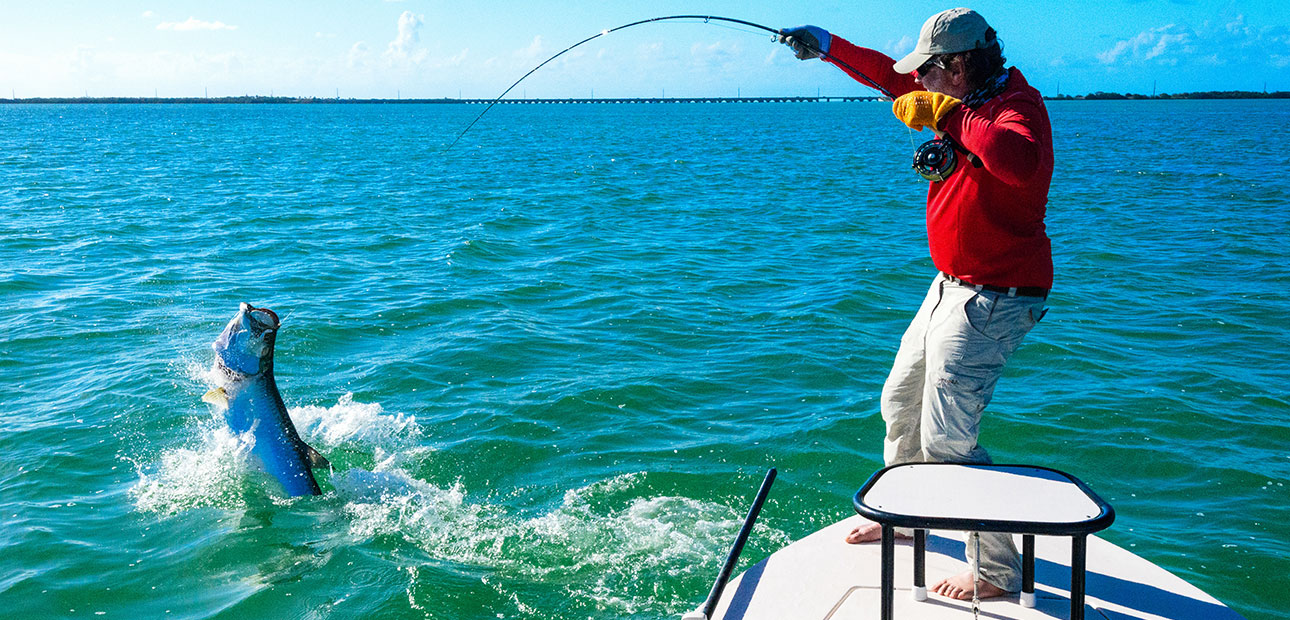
{"points": [[253, 99]]}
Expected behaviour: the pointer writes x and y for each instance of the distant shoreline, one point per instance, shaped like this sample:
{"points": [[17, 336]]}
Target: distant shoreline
{"points": [[1211, 94], [250, 99]]}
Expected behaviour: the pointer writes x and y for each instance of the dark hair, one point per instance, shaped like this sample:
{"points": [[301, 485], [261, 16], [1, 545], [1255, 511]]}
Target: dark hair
{"points": [[979, 63], [982, 63]]}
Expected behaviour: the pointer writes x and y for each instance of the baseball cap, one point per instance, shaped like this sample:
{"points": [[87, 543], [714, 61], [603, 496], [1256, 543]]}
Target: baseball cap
{"points": [[947, 32]]}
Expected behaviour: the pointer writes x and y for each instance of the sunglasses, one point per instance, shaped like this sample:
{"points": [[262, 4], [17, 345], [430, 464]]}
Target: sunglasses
{"points": [[934, 61]]}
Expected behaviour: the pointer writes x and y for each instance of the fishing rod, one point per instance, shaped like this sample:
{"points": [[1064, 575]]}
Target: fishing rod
{"points": [[710, 604], [866, 80]]}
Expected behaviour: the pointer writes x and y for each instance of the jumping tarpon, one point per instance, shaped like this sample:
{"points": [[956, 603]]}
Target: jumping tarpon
{"points": [[249, 397]]}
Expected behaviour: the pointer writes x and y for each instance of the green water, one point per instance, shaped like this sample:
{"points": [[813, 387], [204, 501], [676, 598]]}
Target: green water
{"points": [[551, 366]]}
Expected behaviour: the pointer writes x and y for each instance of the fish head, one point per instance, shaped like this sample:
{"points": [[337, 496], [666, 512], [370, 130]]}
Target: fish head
{"points": [[245, 347]]}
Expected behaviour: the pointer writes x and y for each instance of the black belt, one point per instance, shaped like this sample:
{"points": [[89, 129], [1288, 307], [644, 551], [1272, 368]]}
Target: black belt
{"points": [[1014, 291]]}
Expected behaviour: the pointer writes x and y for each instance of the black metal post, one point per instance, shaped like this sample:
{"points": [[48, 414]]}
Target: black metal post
{"points": [[1028, 563], [733, 558], [888, 584], [1079, 546], [920, 558]]}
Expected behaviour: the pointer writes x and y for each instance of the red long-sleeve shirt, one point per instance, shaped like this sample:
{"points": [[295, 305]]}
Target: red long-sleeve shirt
{"points": [[984, 225]]}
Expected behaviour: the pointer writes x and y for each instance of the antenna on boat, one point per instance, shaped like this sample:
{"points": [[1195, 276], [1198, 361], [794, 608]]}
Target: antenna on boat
{"points": [[705, 612]]}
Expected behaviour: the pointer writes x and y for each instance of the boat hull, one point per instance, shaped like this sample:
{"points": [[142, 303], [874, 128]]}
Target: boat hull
{"points": [[821, 577]]}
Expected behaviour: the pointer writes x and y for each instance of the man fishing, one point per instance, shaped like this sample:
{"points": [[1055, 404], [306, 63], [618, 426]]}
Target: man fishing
{"points": [[985, 229]]}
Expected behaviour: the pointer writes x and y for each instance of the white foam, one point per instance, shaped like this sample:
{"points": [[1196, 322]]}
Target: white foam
{"points": [[599, 544], [211, 470], [599, 540], [210, 473], [203, 371], [349, 422]]}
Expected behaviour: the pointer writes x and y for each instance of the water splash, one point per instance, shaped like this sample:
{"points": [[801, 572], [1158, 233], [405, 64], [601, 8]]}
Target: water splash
{"points": [[213, 469], [602, 544], [209, 473], [348, 423]]}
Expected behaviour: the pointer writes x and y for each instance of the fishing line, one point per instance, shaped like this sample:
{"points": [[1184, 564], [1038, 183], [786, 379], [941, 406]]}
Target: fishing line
{"points": [[866, 80], [734, 28]]}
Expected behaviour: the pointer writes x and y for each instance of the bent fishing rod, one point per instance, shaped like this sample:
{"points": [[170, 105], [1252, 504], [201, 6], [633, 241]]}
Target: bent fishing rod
{"points": [[866, 80]]}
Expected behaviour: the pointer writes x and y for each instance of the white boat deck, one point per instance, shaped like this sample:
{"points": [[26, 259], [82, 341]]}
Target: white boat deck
{"points": [[823, 578]]}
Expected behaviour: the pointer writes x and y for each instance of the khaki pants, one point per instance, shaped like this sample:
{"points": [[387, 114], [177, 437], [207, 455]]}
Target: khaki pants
{"points": [[944, 375]]}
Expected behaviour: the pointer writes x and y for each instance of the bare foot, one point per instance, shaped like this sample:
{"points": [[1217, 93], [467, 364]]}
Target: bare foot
{"points": [[960, 587], [869, 532]]}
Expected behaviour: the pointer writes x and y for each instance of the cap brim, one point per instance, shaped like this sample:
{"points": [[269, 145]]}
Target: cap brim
{"points": [[911, 62]]}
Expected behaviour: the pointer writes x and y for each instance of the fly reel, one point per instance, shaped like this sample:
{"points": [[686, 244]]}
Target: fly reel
{"points": [[935, 160]]}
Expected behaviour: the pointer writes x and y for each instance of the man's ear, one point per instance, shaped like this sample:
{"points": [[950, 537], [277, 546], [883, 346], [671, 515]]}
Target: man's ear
{"points": [[957, 68]]}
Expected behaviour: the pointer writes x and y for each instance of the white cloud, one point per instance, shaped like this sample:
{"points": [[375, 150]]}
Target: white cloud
{"points": [[532, 51], [1211, 44], [715, 55], [194, 24], [1108, 57], [116, 73], [1165, 44], [404, 45], [148, 15], [357, 56], [359, 70], [901, 47]]}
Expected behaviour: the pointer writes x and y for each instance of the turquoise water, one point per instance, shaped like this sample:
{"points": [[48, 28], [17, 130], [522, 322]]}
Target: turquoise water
{"points": [[551, 366]]}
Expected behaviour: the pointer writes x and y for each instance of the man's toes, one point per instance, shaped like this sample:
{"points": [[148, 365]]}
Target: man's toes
{"points": [[865, 533]]}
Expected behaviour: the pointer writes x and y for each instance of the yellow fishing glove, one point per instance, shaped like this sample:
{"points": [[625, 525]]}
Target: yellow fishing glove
{"points": [[922, 108]]}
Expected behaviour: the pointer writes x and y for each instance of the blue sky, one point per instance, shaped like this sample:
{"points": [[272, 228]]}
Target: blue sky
{"points": [[435, 48]]}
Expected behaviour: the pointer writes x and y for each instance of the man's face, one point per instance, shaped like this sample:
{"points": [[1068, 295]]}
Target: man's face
{"points": [[949, 79]]}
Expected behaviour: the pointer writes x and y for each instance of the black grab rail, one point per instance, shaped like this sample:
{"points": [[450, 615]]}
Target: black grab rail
{"points": [[738, 548]]}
